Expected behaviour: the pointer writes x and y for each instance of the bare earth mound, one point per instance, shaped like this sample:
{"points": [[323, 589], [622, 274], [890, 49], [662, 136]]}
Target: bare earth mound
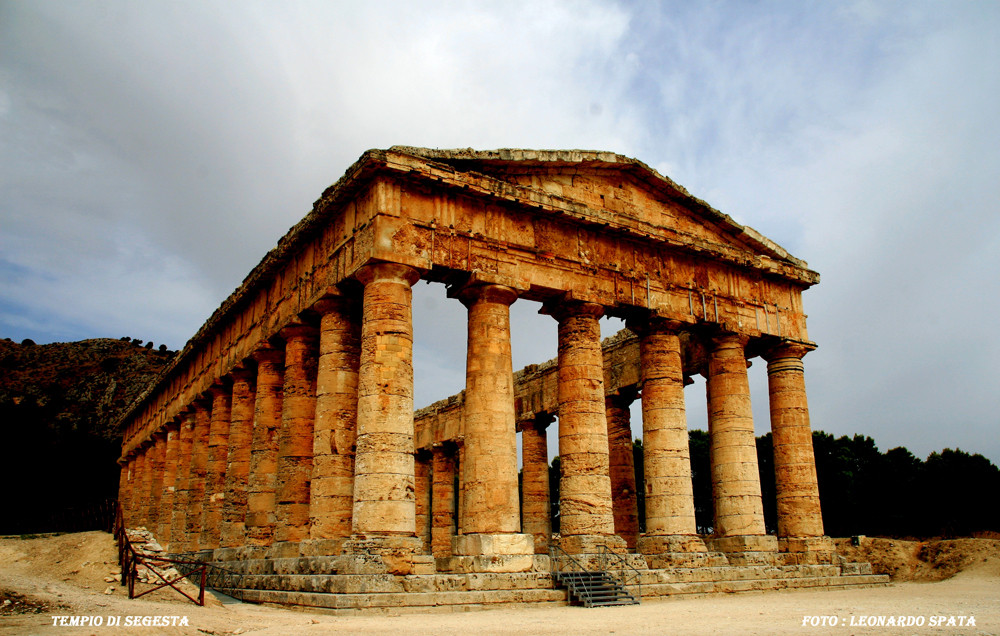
{"points": [[64, 576]]}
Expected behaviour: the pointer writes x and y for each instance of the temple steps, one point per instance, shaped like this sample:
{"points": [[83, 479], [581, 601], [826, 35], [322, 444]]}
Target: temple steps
{"points": [[351, 593]]}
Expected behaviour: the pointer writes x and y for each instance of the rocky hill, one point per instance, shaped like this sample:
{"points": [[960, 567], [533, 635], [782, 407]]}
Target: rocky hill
{"points": [[58, 406]]}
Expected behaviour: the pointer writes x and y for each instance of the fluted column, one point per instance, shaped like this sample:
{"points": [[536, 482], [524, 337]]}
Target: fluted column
{"points": [[295, 438], [178, 520], [196, 478], [622, 468], [215, 468], [233, 529], [262, 483], [165, 518], [585, 507], [383, 470], [670, 518], [739, 514], [335, 430], [535, 507], [443, 500], [800, 519]]}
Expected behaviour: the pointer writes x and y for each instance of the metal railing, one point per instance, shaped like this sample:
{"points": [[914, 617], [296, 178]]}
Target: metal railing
{"points": [[131, 559], [627, 575]]}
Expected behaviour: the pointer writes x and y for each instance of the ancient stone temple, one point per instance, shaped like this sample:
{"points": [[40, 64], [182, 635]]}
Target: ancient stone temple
{"points": [[282, 441]]}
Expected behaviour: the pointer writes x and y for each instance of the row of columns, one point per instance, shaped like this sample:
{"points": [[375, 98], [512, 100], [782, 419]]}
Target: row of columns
{"points": [[312, 440]]}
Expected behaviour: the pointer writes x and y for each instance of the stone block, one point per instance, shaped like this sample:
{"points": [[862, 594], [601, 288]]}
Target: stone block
{"points": [[492, 544], [660, 544], [806, 544], [321, 547], [284, 550], [743, 543]]}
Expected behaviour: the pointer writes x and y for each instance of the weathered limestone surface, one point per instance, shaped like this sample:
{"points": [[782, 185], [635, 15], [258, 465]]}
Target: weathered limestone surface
{"points": [[178, 523], [233, 530], [156, 453], [443, 500], [586, 515], [335, 432], [262, 485], [535, 506], [169, 485], [490, 516], [666, 457], [318, 453], [196, 478], [295, 437], [215, 468], [383, 472], [622, 469], [799, 512], [735, 478]]}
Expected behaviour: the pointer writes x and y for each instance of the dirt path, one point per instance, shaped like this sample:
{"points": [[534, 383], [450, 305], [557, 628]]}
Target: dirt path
{"points": [[57, 572]]}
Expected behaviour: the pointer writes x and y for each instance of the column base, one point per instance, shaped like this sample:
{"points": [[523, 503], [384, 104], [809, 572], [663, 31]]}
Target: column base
{"points": [[744, 543], [507, 552], [592, 543], [385, 554]]}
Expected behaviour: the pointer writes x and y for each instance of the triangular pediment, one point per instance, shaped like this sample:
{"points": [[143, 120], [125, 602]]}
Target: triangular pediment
{"points": [[625, 193]]}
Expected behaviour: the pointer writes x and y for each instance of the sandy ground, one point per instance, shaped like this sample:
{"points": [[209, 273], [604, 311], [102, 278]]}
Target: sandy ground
{"points": [[64, 576]]}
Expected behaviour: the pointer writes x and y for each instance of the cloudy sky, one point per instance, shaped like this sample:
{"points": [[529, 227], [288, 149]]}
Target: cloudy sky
{"points": [[152, 152]]}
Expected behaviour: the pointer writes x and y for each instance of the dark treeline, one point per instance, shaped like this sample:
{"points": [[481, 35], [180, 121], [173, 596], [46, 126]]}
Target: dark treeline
{"points": [[865, 491]]}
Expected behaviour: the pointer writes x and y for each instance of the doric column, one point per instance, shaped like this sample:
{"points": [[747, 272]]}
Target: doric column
{"points": [[383, 470], [622, 468], [535, 507], [233, 530], [491, 519], [335, 429], [124, 470], [165, 518], [178, 521], [422, 473], [490, 469], [585, 507], [443, 500], [264, 446], [800, 519], [215, 468], [670, 520], [158, 452], [739, 514], [145, 483], [295, 438], [196, 476]]}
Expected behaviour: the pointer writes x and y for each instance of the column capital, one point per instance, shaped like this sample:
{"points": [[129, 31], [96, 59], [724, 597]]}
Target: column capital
{"points": [[728, 340], [269, 353], [653, 324], [221, 387], [787, 349], [488, 292], [244, 371], [384, 270], [330, 303], [297, 331], [561, 309]]}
